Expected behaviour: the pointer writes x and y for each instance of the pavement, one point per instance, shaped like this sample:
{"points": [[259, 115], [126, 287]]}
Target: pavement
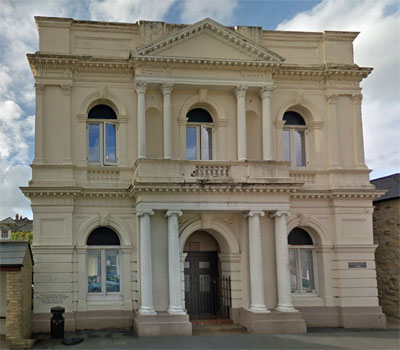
{"points": [[316, 338]]}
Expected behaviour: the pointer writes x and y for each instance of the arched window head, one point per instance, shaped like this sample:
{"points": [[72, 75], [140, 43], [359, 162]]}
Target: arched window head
{"points": [[293, 119], [298, 236], [199, 135], [102, 112], [294, 139], [199, 115], [103, 236], [301, 262], [102, 135]]}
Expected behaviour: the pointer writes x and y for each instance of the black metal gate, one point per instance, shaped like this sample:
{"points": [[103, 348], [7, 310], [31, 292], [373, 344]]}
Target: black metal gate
{"points": [[206, 295]]}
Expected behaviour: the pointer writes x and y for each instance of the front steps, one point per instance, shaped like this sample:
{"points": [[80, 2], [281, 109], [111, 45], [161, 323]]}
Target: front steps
{"points": [[216, 327]]}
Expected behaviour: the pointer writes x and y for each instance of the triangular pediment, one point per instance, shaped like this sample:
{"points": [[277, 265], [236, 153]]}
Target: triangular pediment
{"points": [[209, 40]]}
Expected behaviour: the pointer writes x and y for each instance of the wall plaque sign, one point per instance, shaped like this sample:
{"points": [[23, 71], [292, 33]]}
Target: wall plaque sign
{"points": [[357, 265]]}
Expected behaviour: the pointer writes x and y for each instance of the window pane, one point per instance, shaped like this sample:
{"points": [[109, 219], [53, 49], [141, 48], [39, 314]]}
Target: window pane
{"points": [[94, 271], [112, 271], [307, 270], [300, 148], [206, 143], [286, 145], [187, 283], [191, 144], [111, 153], [94, 143], [204, 283], [293, 270]]}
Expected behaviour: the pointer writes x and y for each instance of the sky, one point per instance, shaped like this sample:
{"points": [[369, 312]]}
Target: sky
{"points": [[377, 46]]}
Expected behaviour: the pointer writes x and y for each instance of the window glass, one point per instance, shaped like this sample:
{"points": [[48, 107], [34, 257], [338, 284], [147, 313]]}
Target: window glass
{"points": [[307, 271], [204, 283], [206, 145], [286, 145], [300, 148], [191, 143], [293, 270], [187, 283], [110, 147], [94, 143], [94, 271], [112, 271]]}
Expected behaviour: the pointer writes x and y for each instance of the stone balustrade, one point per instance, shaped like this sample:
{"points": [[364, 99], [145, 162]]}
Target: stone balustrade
{"points": [[162, 170]]}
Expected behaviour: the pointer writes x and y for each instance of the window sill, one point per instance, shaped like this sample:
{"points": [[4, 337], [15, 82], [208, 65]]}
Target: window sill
{"points": [[104, 298]]}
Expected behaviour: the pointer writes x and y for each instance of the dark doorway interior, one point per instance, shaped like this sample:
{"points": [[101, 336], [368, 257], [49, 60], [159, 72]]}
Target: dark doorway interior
{"points": [[202, 285]]}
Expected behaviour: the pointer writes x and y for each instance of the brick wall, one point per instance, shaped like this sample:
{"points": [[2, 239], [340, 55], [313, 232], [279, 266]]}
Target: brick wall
{"points": [[19, 302], [387, 236]]}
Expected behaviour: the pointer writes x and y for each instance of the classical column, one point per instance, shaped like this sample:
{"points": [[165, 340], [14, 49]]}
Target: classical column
{"points": [[174, 270], [141, 115], [334, 160], [166, 89], [265, 93], [257, 303], [66, 89], [282, 263], [358, 141], [39, 124], [240, 93], [146, 272]]}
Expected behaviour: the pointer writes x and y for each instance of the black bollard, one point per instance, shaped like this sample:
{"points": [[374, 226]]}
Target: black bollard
{"points": [[57, 322]]}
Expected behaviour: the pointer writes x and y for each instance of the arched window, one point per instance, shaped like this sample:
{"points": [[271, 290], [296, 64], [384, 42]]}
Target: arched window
{"points": [[294, 144], [301, 260], [102, 135], [199, 135], [104, 266]]}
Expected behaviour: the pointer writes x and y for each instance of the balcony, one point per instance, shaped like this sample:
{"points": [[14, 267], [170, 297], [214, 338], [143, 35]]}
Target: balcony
{"points": [[191, 172]]}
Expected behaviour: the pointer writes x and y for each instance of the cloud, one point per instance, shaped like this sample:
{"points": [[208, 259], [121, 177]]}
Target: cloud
{"points": [[12, 200], [219, 10], [129, 10], [377, 46]]}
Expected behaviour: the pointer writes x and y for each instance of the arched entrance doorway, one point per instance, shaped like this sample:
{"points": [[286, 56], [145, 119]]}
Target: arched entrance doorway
{"points": [[206, 293]]}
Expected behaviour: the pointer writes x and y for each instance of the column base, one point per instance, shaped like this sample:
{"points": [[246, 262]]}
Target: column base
{"points": [[162, 324], [147, 311], [285, 308], [272, 322], [173, 310], [258, 308]]}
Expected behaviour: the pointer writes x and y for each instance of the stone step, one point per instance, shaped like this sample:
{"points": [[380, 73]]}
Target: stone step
{"points": [[218, 329], [212, 321]]}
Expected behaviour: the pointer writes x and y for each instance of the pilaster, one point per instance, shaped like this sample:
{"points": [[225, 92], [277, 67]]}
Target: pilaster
{"points": [[240, 93]]}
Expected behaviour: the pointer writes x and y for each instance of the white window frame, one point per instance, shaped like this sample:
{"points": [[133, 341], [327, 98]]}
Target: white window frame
{"points": [[102, 124], [198, 127], [104, 295], [292, 148], [300, 291]]}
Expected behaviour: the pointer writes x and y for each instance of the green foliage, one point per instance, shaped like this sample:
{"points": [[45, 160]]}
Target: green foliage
{"points": [[27, 236]]}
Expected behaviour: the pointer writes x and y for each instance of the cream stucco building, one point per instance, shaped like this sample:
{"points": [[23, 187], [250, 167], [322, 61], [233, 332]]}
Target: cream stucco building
{"points": [[200, 171]]}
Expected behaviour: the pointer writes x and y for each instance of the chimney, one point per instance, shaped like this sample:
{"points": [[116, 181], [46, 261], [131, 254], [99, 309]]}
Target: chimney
{"points": [[16, 217]]}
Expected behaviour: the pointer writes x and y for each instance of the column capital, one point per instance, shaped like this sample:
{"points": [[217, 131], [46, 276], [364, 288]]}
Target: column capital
{"points": [[66, 88], [39, 87], [265, 91], [241, 90], [166, 87], [173, 212], [253, 213], [140, 86], [357, 99], [143, 212], [278, 214], [331, 98]]}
